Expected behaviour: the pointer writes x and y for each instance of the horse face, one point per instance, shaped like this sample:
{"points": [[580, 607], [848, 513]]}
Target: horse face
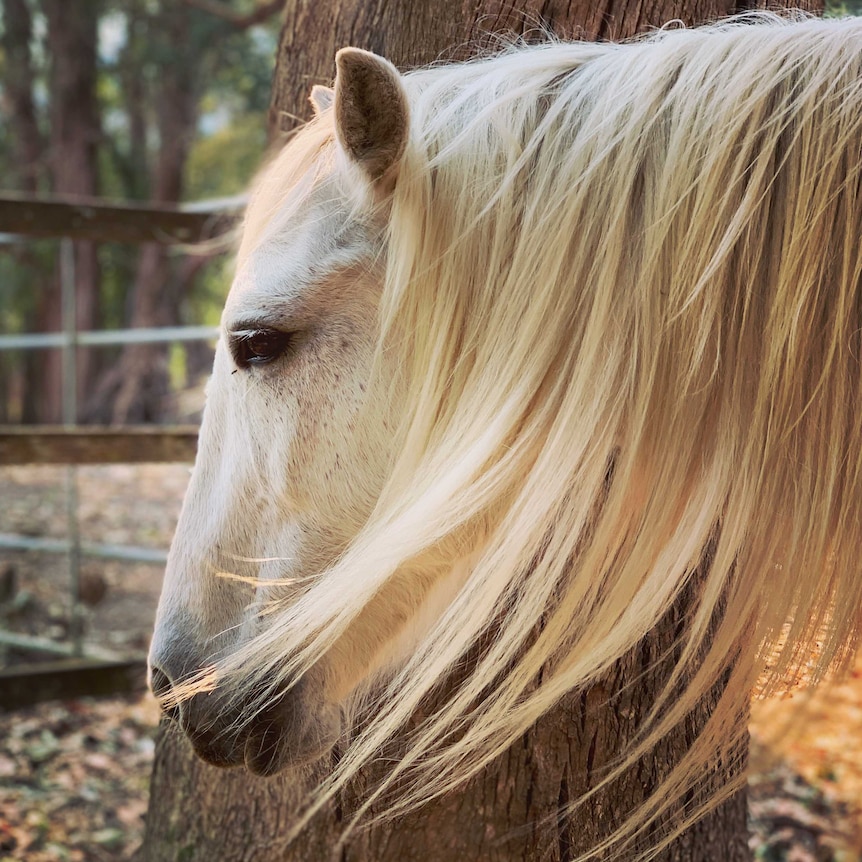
{"points": [[293, 450]]}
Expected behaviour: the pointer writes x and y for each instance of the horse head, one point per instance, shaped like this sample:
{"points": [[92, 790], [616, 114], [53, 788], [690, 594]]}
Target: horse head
{"points": [[297, 433], [512, 348]]}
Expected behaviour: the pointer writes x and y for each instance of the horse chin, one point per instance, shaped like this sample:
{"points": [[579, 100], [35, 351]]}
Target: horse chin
{"points": [[279, 739], [284, 735]]}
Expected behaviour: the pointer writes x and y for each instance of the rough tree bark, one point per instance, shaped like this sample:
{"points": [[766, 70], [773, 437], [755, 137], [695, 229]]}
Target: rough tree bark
{"points": [[413, 34], [508, 812]]}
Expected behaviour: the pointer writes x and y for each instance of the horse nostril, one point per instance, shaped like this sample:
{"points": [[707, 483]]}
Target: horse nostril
{"points": [[162, 687]]}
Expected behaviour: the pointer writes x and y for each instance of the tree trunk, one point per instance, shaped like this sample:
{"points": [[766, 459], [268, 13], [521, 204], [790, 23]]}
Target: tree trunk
{"points": [[508, 813], [413, 34], [27, 151], [134, 389], [18, 79], [74, 141]]}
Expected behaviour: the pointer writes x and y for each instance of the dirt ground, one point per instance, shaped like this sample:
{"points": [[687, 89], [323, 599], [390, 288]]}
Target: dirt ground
{"points": [[74, 775]]}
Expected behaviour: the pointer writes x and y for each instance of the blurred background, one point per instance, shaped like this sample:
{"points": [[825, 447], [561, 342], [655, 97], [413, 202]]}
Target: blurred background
{"points": [[131, 100], [160, 108]]}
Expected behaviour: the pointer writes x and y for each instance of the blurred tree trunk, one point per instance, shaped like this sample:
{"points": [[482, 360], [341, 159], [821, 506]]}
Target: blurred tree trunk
{"points": [[135, 167], [18, 77], [27, 151], [508, 813], [75, 131], [134, 389]]}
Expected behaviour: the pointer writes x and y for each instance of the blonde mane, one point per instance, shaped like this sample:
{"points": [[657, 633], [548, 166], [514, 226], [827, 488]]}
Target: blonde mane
{"points": [[622, 283]]}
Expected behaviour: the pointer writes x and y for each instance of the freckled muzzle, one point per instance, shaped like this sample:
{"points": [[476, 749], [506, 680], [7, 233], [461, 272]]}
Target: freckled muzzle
{"points": [[290, 729]]}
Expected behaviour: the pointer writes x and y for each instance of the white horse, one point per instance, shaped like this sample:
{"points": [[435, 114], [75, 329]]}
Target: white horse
{"points": [[509, 344]]}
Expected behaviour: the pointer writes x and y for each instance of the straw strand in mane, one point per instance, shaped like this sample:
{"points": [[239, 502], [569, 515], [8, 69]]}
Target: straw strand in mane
{"points": [[620, 317]]}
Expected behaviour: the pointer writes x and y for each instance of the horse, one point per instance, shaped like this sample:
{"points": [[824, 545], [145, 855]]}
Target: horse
{"points": [[513, 347]]}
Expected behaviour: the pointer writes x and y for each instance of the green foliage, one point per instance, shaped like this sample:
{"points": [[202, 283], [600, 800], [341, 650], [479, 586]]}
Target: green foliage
{"points": [[242, 72], [117, 268], [842, 9], [23, 267], [223, 163], [205, 303]]}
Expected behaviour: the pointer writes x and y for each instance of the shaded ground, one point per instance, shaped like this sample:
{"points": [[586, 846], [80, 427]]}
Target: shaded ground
{"points": [[806, 772], [74, 775], [74, 779]]}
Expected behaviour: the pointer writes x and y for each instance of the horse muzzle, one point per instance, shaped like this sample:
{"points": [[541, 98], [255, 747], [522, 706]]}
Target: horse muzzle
{"points": [[287, 729]]}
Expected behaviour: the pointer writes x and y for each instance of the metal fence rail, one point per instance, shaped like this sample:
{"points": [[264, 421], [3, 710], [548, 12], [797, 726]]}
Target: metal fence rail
{"points": [[106, 337], [129, 553]]}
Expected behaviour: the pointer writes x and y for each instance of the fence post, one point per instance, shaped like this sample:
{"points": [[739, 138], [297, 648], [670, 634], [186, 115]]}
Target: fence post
{"points": [[70, 419]]}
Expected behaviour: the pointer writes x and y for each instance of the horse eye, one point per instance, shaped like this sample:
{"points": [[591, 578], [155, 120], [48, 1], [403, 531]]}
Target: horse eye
{"points": [[258, 346]]}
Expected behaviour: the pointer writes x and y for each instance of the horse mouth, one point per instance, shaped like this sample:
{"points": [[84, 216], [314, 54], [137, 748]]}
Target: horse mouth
{"points": [[288, 732], [283, 737], [262, 752]]}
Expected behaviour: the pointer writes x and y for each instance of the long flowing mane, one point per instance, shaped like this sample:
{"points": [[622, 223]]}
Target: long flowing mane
{"points": [[623, 286]]}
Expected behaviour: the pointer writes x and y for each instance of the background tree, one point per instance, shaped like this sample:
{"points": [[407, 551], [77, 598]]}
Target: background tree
{"points": [[75, 132], [134, 388], [114, 97], [22, 149], [63, 158], [508, 813]]}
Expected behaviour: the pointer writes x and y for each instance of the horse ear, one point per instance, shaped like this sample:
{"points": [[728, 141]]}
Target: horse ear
{"points": [[371, 112], [321, 98]]}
